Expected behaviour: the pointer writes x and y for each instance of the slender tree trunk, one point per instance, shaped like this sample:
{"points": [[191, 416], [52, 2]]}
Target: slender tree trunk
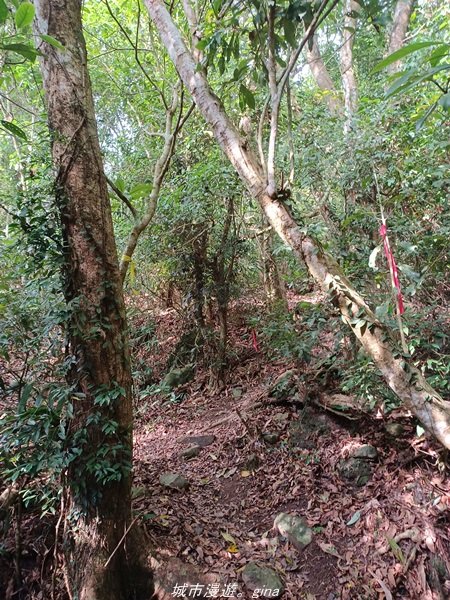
{"points": [[199, 257], [159, 172], [273, 284], [403, 378], [351, 8], [323, 78], [400, 24], [101, 563], [222, 273]]}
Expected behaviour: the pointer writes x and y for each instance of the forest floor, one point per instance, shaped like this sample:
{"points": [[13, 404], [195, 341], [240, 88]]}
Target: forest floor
{"points": [[389, 538], [256, 459]]}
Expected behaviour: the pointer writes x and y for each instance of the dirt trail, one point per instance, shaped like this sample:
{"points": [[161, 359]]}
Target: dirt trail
{"points": [[381, 540]]}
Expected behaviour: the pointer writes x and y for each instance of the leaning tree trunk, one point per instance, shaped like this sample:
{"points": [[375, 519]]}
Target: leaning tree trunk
{"points": [[102, 563], [402, 377]]}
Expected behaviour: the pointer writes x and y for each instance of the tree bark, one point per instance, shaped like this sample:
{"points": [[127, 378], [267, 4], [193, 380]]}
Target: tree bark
{"points": [[322, 77], [347, 71], [273, 284], [400, 24], [221, 273], [102, 564], [159, 171], [403, 378]]}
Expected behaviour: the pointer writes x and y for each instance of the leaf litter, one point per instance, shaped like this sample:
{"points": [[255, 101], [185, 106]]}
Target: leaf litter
{"points": [[387, 539]]}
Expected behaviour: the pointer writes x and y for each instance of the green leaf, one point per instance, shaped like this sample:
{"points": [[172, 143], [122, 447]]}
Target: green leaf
{"points": [[410, 273], [203, 43], [444, 101], [396, 550], [439, 53], [24, 15], [139, 190], [415, 80], [227, 537], [405, 51], [148, 516], [24, 50], [247, 96], [26, 392], [3, 11], [14, 129], [120, 184], [354, 519], [289, 32], [52, 41]]}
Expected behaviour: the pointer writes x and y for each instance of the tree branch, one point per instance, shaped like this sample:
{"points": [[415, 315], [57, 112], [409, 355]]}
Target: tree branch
{"points": [[122, 196]]}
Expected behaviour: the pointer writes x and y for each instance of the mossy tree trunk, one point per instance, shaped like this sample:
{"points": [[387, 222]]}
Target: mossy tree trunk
{"points": [[101, 563]]}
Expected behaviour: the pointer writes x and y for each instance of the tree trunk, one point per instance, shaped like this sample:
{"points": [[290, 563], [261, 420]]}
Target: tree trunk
{"points": [[322, 77], [102, 563], [351, 7], [400, 24], [404, 379], [221, 274], [273, 284], [199, 258], [159, 171]]}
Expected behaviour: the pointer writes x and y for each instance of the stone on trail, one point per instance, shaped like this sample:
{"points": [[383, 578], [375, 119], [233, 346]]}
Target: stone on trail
{"points": [[368, 452], [295, 529], [191, 452], [177, 377], [285, 386], [395, 429], [252, 462], [358, 467], [199, 440], [280, 417], [174, 481], [262, 578], [270, 438], [357, 470]]}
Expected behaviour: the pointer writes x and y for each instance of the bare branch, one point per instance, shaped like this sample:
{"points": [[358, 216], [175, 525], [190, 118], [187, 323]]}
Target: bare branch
{"points": [[134, 45], [122, 196]]}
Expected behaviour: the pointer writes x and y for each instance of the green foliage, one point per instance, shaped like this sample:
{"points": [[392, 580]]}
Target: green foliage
{"points": [[293, 336], [361, 379], [24, 15]]}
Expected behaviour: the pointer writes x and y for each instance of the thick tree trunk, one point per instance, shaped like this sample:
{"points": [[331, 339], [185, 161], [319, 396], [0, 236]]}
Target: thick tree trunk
{"points": [[404, 379], [400, 24], [102, 564], [322, 77]]}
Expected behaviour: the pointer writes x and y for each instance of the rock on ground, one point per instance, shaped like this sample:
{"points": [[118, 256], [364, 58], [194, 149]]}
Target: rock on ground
{"points": [[199, 440], [175, 481], [262, 579], [295, 529], [191, 452]]}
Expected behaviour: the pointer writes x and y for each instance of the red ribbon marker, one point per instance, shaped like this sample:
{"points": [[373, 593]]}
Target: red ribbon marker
{"points": [[255, 341], [392, 267]]}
